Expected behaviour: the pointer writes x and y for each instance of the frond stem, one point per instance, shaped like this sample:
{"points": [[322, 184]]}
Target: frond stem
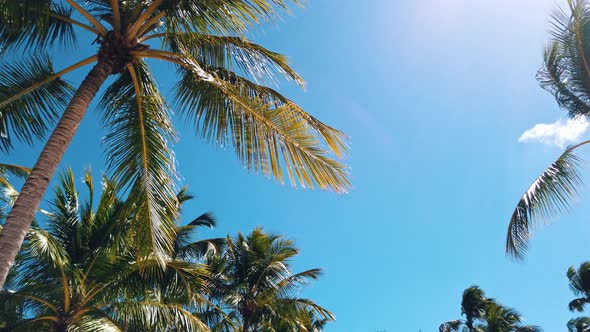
{"points": [[144, 156], [51, 318], [48, 79], [116, 15], [64, 281], [74, 22], [148, 24], [143, 18], [101, 29], [37, 299], [579, 145], [579, 42], [152, 36]]}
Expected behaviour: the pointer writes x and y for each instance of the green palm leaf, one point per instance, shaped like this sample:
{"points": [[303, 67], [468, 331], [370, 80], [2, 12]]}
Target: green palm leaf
{"points": [[567, 60], [157, 316], [450, 326], [34, 24], [139, 155], [579, 282], [10, 193], [31, 115], [580, 324], [265, 131], [549, 194], [234, 54], [218, 16]]}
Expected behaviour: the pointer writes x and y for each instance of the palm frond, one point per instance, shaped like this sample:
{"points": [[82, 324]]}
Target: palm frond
{"points": [[450, 326], [308, 305], [93, 322], [567, 60], [31, 115], [265, 131], [156, 316], [577, 304], [235, 54], [5, 184], [16, 170], [218, 16], [206, 219], [139, 156], [185, 248], [288, 287], [44, 246], [580, 324], [66, 219], [34, 24], [549, 194], [579, 279]]}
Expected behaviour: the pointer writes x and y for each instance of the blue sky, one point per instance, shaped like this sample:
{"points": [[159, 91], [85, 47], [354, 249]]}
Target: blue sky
{"points": [[434, 96]]}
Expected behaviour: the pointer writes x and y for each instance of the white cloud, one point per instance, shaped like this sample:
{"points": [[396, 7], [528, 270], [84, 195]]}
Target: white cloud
{"points": [[558, 133]]}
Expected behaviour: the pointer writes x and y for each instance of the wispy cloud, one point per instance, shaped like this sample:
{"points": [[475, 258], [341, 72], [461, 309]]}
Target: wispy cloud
{"points": [[558, 133]]}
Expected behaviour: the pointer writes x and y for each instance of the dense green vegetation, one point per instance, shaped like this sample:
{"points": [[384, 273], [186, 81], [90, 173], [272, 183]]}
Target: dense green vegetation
{"points": [[80, 272], [118, 258], [216, 91]]}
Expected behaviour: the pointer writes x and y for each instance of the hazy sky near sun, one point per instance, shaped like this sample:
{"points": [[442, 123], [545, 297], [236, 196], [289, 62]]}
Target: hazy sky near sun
{"points": [[434, 95]]}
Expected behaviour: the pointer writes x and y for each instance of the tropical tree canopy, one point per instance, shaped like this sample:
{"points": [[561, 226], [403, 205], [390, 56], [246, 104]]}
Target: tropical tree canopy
{"points": [[579, 282], [565, 74], [486, 315], [254, 284], [580, 324], [80, 273], [223, 89]]}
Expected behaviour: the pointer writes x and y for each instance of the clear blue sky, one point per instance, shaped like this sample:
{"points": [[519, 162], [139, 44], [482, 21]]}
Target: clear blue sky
{"points": [[434, 95]]}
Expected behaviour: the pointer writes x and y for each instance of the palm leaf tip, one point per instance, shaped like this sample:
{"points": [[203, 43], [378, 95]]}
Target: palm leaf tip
{"points": [[550, 194]]}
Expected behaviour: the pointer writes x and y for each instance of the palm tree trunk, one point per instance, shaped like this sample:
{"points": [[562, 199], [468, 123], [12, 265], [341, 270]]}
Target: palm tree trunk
{"points": [[22, 213]]}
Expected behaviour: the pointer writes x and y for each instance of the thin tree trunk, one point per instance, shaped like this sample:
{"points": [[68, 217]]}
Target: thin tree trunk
{"points": [[22, 213]]}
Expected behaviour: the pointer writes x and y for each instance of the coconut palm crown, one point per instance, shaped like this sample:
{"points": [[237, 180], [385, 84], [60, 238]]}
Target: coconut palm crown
{"points": [[257, 290], [221, 89], [486, 315]]}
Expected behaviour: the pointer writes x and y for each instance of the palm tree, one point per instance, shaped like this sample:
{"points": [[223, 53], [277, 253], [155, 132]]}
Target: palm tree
{"points": [[502, 319], [566, 74], [579, 282], [217, 91], [580, 324], [486, 315], [256, 288], [473, 307], [81, 274]]}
